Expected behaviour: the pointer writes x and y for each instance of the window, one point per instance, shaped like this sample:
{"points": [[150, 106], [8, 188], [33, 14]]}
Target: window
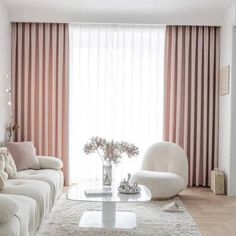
{"points": [[116, 92]]}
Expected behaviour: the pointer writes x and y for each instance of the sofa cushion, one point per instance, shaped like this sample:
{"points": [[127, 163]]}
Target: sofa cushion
{"points": [[53, 177], [26, 215], [161, 184], [11, 228], [37, 190], [8, 208], [46, 162], [23, 154]]}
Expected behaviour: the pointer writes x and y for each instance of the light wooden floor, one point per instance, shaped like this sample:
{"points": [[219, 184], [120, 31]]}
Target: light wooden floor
{"points": [[214, 215]]}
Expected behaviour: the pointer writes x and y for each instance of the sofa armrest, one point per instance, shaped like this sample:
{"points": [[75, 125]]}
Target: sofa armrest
{"points": [[8, 208], [46, 162]]}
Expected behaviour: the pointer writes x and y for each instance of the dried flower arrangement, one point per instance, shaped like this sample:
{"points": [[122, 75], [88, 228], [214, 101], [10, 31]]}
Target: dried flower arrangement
{"points": [[11, 129], [110, 152]]}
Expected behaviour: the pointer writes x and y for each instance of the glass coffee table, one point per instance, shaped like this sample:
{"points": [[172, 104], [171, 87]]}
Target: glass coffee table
{"points": [[108, 216]]}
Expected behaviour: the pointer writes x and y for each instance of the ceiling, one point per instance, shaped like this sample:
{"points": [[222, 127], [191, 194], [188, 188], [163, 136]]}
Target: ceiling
{"points": [[209, 12]]}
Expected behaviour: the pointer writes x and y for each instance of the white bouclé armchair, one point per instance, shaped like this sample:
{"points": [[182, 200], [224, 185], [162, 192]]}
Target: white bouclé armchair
{"points": [[164, 170]]}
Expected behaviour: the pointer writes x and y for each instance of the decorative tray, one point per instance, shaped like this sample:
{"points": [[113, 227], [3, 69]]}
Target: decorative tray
{"points": [[129, 191], [128, 188]]}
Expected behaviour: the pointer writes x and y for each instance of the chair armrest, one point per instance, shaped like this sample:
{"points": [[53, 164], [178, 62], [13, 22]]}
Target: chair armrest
{"points": [[8, 208], [46, 162]]}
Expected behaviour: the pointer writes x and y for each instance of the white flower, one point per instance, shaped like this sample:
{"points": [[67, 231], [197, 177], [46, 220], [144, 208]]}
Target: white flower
{"points": [[109, 151]]}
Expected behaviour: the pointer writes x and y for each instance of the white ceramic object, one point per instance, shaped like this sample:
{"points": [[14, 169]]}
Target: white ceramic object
{"points": [[108, 217], [133, 191]]}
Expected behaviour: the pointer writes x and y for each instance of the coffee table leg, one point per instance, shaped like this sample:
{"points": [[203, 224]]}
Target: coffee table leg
{"points": [[108, 217], [108, 211]]}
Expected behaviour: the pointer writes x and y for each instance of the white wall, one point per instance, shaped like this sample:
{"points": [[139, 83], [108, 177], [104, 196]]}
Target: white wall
{"points": [[227, 112], [232, 162], [5, 44], [151, 18], [185, 12]]}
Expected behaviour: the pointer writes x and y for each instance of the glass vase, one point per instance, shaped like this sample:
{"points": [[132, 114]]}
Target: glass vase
{"points": [[107, 175]]}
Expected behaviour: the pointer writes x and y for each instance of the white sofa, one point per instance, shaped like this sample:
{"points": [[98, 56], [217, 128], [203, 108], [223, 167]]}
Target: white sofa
{"points": [[26, 199], [164, 170]]}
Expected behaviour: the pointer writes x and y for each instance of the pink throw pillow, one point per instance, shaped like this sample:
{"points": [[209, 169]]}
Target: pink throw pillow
{"points": [[24, 155]]}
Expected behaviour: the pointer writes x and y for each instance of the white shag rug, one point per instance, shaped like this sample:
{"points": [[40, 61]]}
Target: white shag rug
{"points": [[151, 220]]}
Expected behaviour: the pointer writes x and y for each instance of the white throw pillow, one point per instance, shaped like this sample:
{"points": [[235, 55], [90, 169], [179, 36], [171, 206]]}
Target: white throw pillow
{"points": [[2, 162], [8, 208], [3, 178], [10, 166], [3, 174], [46, 162]]}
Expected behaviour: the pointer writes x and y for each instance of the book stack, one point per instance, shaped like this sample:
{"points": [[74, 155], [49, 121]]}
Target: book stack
{"points": [[98, 192]]}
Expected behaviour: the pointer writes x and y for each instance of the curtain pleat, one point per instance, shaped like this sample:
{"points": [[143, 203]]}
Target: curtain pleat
{"points": [[40, 86], [191, 96]]}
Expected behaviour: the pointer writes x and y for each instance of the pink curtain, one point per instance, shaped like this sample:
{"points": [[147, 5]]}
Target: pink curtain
{"points": [[40, 86], [191, 96]]}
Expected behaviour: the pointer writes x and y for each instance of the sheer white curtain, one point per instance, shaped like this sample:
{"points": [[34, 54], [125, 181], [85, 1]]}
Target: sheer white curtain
{"points": [[116, 92]]}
